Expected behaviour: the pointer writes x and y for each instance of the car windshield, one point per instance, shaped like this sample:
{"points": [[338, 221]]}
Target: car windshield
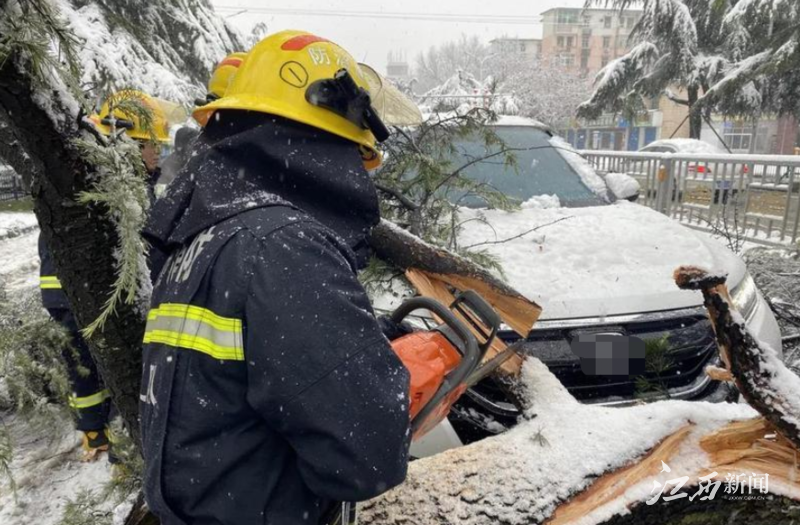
{"points": [[541, 169]]}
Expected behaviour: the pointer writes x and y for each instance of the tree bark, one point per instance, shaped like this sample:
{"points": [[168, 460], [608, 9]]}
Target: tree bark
{"points": [[36, 139], [757, 371], [408, 251], [695, 114]]}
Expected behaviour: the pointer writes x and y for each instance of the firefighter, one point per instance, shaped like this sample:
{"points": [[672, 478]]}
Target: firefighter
{"points": [[221, 77], [89, 398], [269, 393], [154, 140]]}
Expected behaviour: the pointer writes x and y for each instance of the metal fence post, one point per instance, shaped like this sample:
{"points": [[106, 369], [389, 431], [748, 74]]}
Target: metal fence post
{"points": [[664, 183]]}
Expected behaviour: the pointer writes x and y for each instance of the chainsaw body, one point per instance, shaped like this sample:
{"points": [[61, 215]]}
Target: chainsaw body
{"points": [[442, 360]]}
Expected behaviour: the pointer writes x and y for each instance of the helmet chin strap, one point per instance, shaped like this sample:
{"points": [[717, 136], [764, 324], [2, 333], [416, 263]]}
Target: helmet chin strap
{"points": [[120, 123], [342, 95]]}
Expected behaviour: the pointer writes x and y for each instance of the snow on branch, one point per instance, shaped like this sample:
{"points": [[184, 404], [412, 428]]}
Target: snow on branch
{"points": [[617, 79], [738, 76]]}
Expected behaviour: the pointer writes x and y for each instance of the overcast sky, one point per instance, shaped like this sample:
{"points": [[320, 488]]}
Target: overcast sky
{"points": [[371, 38]]}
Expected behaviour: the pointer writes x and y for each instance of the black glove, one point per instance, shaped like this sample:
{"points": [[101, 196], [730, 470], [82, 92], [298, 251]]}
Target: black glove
{"points": [[394, 330]]}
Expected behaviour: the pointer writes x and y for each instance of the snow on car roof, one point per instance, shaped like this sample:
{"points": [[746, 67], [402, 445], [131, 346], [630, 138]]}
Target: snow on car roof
{"points": [[687, 146], [515, 120], [502, 120]]}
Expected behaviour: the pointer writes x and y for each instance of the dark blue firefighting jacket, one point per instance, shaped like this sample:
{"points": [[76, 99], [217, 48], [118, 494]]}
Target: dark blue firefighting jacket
{"points": [[269, 392], [53, 296]]}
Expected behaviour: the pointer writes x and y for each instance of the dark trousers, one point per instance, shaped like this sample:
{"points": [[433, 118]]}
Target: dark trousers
{"points": [[89, 398]]}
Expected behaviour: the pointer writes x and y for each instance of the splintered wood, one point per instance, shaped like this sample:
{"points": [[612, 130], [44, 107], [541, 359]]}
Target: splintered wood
{"points": [[725, 439], [436, 272], [753, 446], [516, 312], [613, 485]]}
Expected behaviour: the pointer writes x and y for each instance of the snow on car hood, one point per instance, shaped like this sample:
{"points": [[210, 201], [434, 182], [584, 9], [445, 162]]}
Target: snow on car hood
{"points": [[596, 261]]}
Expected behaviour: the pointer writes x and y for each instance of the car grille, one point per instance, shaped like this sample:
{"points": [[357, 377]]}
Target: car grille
{"points": [[690, 347]]}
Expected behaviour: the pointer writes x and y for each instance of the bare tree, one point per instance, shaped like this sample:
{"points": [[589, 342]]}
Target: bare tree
{"points": [[439, 63], [537, 88]]}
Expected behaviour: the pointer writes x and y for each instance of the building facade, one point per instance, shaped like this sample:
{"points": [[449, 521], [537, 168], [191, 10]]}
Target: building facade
{"points": [[397, 67], [585, 40], [527, 47]]}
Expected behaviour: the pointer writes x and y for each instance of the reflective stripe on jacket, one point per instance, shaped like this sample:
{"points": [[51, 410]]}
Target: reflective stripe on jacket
{"points": [[269, 392], [52, 294]]}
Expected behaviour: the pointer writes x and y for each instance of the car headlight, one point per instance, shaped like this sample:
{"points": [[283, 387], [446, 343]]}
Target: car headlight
{"points": [[745, 296]]}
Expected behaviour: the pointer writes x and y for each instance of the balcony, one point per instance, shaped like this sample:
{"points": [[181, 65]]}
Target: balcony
{"points": [[562, 29]]}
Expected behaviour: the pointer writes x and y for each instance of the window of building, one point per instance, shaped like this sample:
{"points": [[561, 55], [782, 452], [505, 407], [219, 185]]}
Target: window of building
{"points": [[584, 62], [570, 41], [566, 60], [585, 39], [738, 136], [566, 17], [630, 22], [607, 22], [604, 62], [606, 42], [560, 41]]}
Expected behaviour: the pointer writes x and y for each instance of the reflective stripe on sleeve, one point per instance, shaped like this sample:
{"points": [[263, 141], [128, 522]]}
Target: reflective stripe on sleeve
{"points": [[195, 328], [49, 282], [89, 401]]}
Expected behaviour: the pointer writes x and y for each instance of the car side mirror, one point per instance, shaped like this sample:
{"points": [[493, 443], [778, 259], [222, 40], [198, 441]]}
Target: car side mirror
{"points": [[623, 186]]}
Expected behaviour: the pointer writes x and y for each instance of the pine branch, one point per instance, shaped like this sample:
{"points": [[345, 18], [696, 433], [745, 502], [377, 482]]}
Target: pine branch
{"points": [[398, 195], [523, 234]]}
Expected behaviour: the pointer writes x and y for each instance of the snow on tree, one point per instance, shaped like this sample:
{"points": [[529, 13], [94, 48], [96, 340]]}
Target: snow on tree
{"points": [[735, 57], [763, 43], [517, 85], [461, 88], [538, 89], [468, 54], [165, 49], [49, 51]]}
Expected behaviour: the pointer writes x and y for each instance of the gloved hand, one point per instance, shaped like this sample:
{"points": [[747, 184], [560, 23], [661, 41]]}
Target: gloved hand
{"points": [[394, 330]]}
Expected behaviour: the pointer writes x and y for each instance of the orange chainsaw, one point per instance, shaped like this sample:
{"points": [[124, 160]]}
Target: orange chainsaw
{"points": [[445, 361]]}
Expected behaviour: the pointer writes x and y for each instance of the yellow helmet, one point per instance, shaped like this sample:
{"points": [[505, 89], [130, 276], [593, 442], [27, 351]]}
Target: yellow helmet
{"points": [[223, 75], [308, 79], [164, 114]]}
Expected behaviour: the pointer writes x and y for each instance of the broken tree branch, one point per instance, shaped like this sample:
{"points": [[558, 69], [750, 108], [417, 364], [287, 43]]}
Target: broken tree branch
{"points": [[407, 251], [398, 196], [523, 234], [761, 376]]}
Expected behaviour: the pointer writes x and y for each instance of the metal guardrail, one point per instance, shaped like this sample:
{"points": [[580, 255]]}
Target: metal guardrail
{"points": [[11, 187], [756, 197]]}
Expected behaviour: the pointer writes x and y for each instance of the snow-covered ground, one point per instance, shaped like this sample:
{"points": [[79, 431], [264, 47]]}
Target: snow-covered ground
{"points": [[19, 257], [46, 466], [776, 271], [47, 472]]}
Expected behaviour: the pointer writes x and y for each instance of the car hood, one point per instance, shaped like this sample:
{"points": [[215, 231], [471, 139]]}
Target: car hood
{"points": [[597, 261]]}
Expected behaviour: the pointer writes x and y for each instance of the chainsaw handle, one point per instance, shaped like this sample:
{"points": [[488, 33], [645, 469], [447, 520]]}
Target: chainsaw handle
{"points": [[435, 307], [469, 361], [469, 304]]}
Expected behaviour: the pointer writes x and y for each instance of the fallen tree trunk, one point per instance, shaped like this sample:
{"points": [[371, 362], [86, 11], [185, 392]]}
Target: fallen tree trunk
{"points": [[572, 463], [438, 273]]}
